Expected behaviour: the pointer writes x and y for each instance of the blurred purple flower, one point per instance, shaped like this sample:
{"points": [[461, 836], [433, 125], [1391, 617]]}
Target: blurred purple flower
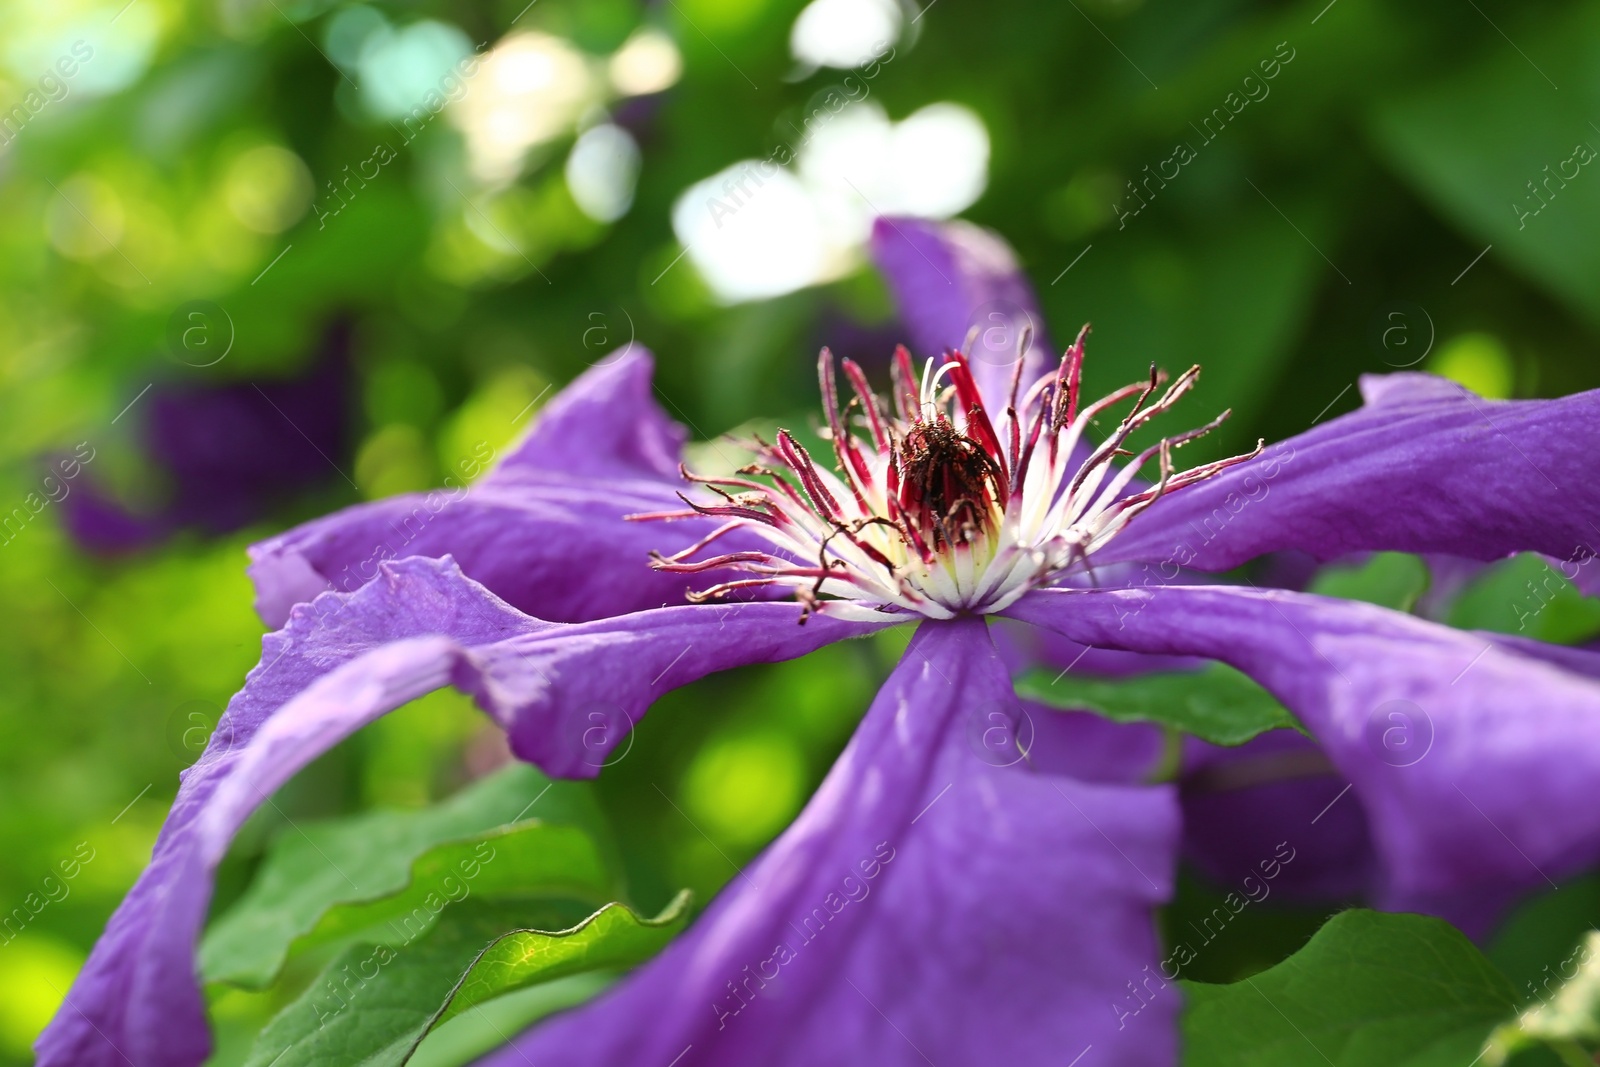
{"points": [[228, 453], [1239, 803], [941, 898]]}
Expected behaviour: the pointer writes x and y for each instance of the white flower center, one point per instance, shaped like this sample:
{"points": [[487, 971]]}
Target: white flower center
{"points": [[940, 509]]}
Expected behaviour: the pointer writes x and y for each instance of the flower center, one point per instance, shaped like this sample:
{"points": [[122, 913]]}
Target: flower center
{"points": [[939, 509], [949, 486]]}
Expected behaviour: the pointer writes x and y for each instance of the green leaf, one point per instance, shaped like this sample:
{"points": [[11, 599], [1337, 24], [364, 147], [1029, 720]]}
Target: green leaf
{"points": [[1543, 929], [469, 1037], [1570, 1012], [1390, 579], [1217, 704], [375, 1003], [530, 860], [1435, 139], [1549, 949], [324, 880], [1528, 595], [614, 936], [1368, 990], [1243, 286]]}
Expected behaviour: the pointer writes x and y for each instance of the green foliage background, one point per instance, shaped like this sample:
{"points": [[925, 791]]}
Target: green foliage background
{"points": [[1382, 166]]}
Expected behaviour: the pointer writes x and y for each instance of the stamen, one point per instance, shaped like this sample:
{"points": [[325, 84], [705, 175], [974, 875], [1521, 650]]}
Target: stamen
{"points": [[904, 376], [1071, 374], [800, 461], [851, 464], [720, 531], [942, 508], [869, 404]]}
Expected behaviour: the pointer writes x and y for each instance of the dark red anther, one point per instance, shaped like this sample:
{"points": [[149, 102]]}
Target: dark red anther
{"points": [[943, 471], [799, 460]]}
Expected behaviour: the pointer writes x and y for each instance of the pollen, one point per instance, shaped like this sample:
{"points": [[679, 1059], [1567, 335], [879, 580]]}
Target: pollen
{"points": [[949, 485]]}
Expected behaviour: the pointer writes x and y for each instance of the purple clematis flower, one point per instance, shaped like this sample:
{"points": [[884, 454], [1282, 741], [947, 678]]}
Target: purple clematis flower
{"points": [[1238, 803], [932, 903], [228, 452]]}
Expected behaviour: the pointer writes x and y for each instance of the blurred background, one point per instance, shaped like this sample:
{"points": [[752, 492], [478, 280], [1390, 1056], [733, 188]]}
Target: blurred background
{"points": [[262, 259]]}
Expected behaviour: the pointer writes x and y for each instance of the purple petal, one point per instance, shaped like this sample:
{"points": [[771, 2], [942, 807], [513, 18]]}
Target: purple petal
{"points": [[1027, 898], [1587, 579], [229, 449], [226, 452], [1424, 467], [1090, 747], [1240, 803], [100, 524], [1584, 661], [1447, 577], [1056, 653], [1470, 756], [553, 546], [606, 424], [342, 661], [949, 277], [1081, 744], [568, 694], [544, 530]]}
